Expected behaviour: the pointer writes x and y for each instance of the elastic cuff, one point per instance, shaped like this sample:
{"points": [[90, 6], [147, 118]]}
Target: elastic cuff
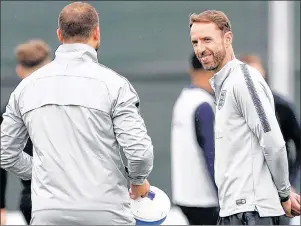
{"points": [[137, 181], [284, 199], [285, 193]]}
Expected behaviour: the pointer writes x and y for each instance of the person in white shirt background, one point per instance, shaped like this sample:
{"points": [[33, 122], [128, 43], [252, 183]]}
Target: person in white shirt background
{"points": [[192, 149]]}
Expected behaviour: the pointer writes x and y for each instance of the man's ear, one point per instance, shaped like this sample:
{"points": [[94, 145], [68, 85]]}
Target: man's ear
{"points": [[19, 71], [96, 34], [59, 35], [228, 37]]}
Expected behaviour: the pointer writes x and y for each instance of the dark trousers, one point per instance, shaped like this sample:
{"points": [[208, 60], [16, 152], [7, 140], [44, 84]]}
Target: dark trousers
{"points": [[284, 220], [25, 201], [248, 218], [25, 207], [200, 216]]}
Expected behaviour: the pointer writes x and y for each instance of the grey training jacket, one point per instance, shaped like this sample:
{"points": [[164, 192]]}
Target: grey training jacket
{"points": [[251, 167], [79, 116]]}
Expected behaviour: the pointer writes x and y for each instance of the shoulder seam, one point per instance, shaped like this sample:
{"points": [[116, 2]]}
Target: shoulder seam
{"points": [[103, 66]]}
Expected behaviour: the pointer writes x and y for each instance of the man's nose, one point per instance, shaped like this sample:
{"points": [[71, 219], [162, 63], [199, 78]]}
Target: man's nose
{"points": [[200, 48]]}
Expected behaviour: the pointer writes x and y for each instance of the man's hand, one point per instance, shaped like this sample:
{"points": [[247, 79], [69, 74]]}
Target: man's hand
{"points": [[287, 207], [295, 199], [3, 217], [139, 190], [292, 206]]}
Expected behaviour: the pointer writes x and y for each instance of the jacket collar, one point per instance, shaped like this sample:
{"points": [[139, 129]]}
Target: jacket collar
{"points": [[76, 51], [218, 79]]}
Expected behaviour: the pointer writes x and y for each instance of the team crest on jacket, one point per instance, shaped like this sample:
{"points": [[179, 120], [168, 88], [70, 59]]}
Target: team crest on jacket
{"points": [[222, 99]]}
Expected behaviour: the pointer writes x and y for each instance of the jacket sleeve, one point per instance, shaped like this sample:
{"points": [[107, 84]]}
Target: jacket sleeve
{"points": [[257, 108], [13, 139], [131, 134]]}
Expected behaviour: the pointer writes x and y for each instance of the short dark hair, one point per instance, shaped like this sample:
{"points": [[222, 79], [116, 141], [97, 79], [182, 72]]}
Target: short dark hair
{"points": [[32, 53], [195, 63], [77, 20]]}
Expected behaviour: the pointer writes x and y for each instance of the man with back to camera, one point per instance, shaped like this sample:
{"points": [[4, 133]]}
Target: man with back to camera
{"points": [[251, 167], [192, 149], [30, 56], [79, 116]]}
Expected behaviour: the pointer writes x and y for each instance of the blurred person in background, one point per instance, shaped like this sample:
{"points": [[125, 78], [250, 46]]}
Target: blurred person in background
{"points": [[289, 125], [30, 56], [192, 149], [79, 116], [251, 165]]}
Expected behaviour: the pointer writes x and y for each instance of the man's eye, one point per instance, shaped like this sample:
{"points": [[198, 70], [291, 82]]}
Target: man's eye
{"points": [[207, 39]]}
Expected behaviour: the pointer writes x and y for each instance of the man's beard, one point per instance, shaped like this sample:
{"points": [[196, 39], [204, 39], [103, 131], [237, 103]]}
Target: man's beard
{"points": [[218, 58]]}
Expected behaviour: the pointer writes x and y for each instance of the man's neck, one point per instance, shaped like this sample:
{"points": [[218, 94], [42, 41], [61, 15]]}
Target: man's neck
{"points": [[87, 42], [227, 59], [29, 71]]}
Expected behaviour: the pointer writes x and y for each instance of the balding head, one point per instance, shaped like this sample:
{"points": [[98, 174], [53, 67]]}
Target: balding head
{"points": [[78, 22]]}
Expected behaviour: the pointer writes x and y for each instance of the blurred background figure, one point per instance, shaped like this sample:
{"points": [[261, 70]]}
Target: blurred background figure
{"points": [[192, 149], [30, 56], [289, 124]]}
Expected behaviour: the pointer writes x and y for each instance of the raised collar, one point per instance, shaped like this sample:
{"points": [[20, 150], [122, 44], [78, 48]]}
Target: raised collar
{"points": [[76, 51], [217, 80]]}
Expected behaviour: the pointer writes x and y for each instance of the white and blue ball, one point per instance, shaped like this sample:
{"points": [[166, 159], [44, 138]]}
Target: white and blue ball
{"points": [[151, 210]]}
